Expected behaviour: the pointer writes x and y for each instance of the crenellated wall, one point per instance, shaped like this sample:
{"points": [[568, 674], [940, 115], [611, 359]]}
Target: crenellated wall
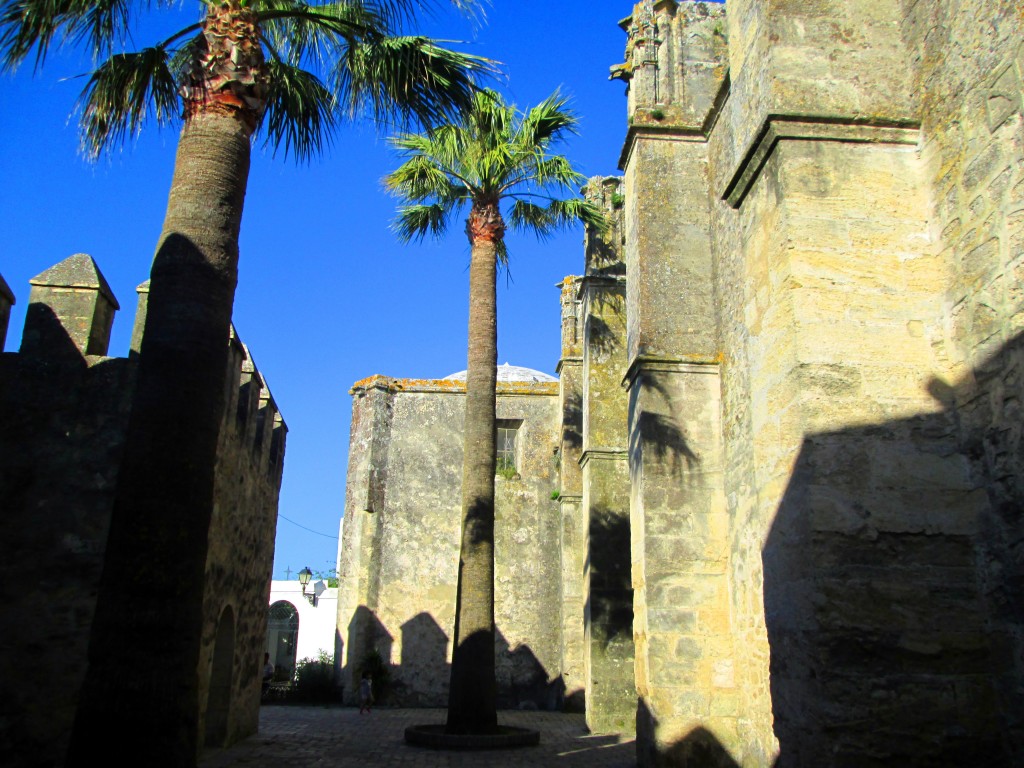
{"points": [[66, 405]]}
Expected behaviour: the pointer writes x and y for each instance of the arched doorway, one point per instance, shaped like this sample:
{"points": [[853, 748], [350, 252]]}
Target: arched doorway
{"points": [[218, 701], [282, 638]]}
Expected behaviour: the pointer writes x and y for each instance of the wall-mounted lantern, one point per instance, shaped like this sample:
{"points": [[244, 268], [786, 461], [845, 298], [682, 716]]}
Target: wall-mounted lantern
{"points": [[304, 576]]}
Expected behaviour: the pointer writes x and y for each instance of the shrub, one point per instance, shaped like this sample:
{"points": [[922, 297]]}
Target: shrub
{"points": [[314, 680]]}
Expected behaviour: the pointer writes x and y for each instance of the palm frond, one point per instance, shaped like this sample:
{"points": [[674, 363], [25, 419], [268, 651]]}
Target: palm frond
{"points": [[403, 79], [576, 209], [122, 93], [102, 24], [300, 32], [396, 13], [183, 58], [300, 113], [547, 122], [526, 216], [24, 25], [544, 220], [493, 153], [27, 25], [415, 222], [420, 179], [556, 170]]}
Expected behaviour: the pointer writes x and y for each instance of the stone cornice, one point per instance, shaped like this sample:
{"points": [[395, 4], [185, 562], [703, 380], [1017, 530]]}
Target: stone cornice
{"points": [[645, 126], [779, 127], [451, 386], [597, 282], [575, 361], [657, 132], [655, 364], [603, 454]]}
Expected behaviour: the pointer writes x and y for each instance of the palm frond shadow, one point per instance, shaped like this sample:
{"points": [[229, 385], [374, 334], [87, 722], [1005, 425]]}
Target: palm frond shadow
{"points": [[609, 600], [604, 259], [603, 339], [661, 434], [572, 421]]}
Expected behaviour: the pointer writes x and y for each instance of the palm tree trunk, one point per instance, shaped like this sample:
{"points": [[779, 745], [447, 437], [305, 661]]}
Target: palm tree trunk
{"points": [[472, 701], [140, 694]]}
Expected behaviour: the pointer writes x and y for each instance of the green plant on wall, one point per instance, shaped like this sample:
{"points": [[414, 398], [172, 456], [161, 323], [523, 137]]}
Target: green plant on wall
{"points": [[328, 576]]}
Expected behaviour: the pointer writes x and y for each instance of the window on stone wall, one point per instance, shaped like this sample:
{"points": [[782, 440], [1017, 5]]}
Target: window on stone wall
{"points": [[505, 447]]}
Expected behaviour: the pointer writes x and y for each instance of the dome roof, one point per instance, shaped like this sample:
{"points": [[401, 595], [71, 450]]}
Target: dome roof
{"points": [[508, 372]]}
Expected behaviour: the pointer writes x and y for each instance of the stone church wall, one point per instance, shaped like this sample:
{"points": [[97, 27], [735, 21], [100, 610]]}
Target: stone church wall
{"points": [[820, 222], [401, 541], [66, 405], [822, 217]]}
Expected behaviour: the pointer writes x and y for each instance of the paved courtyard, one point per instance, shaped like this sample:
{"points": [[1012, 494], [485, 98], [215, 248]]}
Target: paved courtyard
{"points": [[303, 737]]}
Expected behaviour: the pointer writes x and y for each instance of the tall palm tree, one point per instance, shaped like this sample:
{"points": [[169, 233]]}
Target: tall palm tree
{"points": [[496, 157], [248, 65]]}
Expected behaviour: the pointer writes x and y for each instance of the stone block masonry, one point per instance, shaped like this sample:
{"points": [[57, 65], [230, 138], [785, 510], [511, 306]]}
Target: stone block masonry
{"points": [[608, 610], [820, 218], [810, 300], [399, 556], [65, 406]]}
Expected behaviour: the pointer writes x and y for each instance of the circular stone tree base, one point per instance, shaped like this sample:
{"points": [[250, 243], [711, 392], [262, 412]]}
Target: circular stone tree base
{"points": [[507, 737]]}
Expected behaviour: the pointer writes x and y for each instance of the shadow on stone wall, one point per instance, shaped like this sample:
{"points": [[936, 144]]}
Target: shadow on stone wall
{"points": [[700, 748], [421, 677], [602, 339], [660, 433], [366, 634], [609, 602], [62, 417], [572, 421], [892, 586]]}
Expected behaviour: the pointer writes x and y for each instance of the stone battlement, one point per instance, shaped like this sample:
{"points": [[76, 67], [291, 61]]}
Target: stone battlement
{"points": [[66, 406], [70, 316]]}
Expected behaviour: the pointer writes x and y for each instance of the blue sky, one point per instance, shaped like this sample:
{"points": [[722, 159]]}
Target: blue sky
{"points": [[327, 295]]}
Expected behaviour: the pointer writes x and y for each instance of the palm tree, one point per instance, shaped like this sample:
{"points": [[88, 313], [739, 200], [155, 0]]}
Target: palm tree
{"points": [[244, 67], [494, 157]]}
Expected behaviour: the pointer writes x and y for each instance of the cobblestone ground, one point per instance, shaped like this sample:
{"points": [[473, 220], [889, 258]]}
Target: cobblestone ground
{"points": [[303, 737]]}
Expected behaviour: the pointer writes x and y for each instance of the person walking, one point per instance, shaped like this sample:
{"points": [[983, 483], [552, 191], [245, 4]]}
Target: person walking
{"points": [[268, 673], [365, 692]]}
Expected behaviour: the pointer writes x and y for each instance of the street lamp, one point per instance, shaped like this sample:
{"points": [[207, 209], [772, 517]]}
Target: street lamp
{"points": [[304, 576]]}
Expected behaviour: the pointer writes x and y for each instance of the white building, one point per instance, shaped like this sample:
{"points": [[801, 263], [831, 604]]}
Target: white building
{"points": [[300, 626]]}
